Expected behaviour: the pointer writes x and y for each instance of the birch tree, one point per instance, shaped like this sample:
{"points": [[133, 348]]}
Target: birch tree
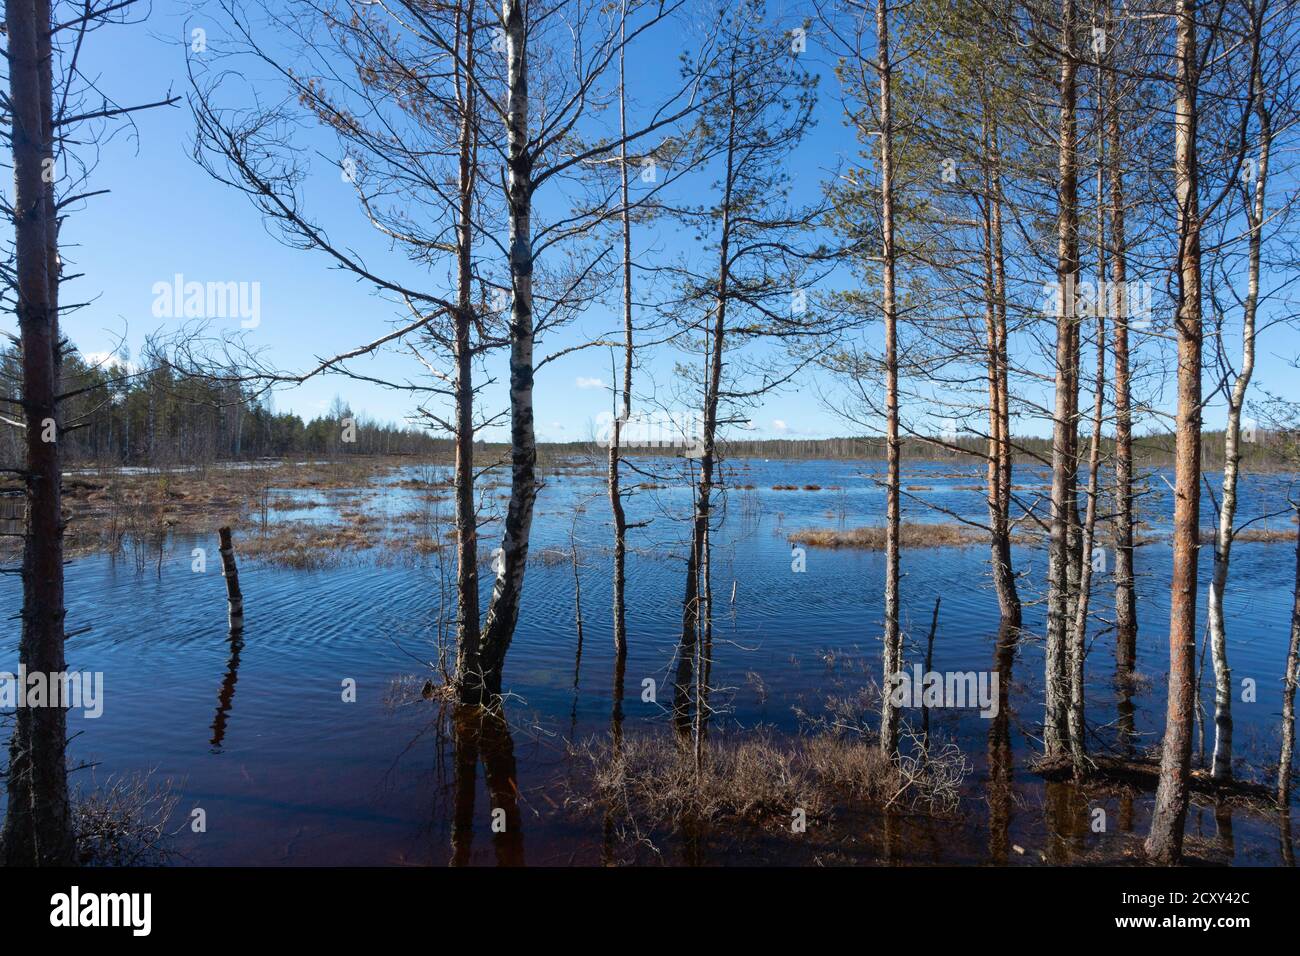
{"points": [[1235, 386], [543, 144]]}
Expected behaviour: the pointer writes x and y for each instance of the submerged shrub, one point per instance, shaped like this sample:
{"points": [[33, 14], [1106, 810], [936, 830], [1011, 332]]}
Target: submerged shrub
{"points": [[124, 822]]}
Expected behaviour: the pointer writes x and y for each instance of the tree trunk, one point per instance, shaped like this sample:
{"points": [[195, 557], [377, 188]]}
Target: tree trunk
{"points": [[622, 415], [893, 653], [1165, 842], [230, 571], [38, 825], [1290, 679], [1125, 597], [694, 605], [1008, 594], [1067, 270], [999, 452], [1223, 538], [1079, 627], [467, 598], [482, 683]]}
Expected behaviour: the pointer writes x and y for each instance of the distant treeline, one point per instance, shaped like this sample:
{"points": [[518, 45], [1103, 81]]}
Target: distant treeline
{"points": [[1266, 449], [162, 418]]}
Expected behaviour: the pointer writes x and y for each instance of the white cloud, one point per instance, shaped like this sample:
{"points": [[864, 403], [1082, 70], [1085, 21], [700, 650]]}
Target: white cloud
{"points": [[589, 382], [780, 425]]}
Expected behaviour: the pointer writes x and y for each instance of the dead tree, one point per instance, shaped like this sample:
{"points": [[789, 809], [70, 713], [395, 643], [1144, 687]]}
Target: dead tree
{"points": [[410, 137], [623, 408], [1126, 624], [230, 571], [42, 139], [38, 825]]}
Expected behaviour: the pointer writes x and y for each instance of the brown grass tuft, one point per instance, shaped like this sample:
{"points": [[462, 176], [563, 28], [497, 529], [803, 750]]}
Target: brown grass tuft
{"points": [[872, 538]]}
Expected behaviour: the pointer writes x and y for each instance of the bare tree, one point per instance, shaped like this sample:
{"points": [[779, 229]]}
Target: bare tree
{"points": [[45, 120], [404, 89], [542, 145]]}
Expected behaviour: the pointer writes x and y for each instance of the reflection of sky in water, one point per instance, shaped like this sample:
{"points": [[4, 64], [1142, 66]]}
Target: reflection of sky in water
{"points": [[300, 776]]}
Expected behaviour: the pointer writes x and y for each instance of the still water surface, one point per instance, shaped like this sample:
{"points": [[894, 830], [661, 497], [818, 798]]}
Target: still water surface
{"points": [[257, 734]]}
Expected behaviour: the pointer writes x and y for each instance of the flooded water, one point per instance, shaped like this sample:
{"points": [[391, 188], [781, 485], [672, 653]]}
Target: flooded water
{"points": [[258, 735]]}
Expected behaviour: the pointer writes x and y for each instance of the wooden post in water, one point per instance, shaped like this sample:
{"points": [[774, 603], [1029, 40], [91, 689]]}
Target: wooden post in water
{"points": [[234, 598]]}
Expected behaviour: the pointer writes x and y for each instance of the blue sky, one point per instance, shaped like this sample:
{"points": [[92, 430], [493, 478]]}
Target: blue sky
{"points": [[165, 216]]}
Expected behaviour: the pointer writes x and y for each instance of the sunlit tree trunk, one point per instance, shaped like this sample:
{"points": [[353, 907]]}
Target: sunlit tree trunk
{"points": [[1165, 842], [999, 452], [623, 412], [893, 652], [694, 605], [1067, 271], [1079, 626], [1289, 682], [483, 681], [1223, 538], [1125, 595], [1008, 594]]}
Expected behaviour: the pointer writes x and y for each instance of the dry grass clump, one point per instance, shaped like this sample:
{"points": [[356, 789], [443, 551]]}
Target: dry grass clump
{"points": [[414, 543], [925, 775], [1267, 535], [291, 503], [111, 507], [851, 766], [307, 546], [124, 822], [655, 781], [872, 538], [424, 484]]}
